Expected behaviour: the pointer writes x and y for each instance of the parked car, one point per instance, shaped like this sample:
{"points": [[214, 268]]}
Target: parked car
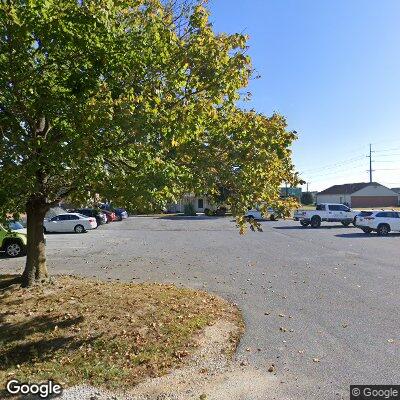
{"points": [[218, 212], [103, 217], [120, 213], [110, 215], [256, 213], [92, 212], [13, 240], [72, 222], [382, 222], [327, 212], [363, 213]]}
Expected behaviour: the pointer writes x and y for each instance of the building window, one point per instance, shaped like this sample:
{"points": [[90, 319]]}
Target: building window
{"points": [[200, 203]]}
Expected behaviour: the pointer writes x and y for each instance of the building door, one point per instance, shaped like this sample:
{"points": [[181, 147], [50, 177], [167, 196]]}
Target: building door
{"points": [[200, 204]]}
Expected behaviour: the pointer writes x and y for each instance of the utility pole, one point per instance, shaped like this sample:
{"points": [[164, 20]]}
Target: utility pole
{"points": [[370, 163], [307, 186]]}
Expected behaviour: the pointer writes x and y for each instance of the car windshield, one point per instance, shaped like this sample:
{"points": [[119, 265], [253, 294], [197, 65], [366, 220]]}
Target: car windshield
{"points": [[15, 225]]}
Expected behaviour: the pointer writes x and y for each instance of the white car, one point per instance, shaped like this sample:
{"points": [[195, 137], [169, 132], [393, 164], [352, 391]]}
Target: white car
{"points": [[71, 222], [255, 213], [382, 222]]}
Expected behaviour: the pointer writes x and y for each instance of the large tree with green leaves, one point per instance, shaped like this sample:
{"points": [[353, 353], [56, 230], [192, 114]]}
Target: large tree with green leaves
{"points": [[131, 100]]}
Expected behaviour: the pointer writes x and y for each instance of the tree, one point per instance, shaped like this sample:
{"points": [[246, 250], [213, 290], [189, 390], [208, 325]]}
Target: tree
{"points": [[130, 101], [307, 198]]}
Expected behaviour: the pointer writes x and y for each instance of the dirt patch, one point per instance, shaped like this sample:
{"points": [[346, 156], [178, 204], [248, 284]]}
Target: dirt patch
{"points": [[112, 335], [208, 374]]}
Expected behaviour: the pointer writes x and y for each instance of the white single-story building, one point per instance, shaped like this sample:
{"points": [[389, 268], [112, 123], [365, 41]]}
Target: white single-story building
{"points": [[371, 194], [199, 204]]}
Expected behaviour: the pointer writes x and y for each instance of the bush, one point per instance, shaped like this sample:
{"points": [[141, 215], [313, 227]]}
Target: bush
{"points": [[189, 210], [307, 198], [221, 211], [208, 212]]}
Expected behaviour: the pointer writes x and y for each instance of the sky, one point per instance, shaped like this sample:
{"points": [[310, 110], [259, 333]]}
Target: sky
{"points": [[332, 68]]}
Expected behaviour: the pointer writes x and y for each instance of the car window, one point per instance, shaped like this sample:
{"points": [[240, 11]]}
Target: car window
{"points": [[321, 207], [55, 218], [334, 207], [344, 208], [64, 217], [365, 213], [73, 217], [14, 225], [82, 216], [382, 214]]}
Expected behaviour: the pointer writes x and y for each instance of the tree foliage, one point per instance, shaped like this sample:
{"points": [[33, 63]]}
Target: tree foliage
{"points": [[132, 100], [307, 198]]}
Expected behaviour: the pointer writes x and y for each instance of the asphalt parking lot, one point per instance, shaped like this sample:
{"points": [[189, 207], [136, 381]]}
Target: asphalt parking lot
{"points": [[322, 305]]}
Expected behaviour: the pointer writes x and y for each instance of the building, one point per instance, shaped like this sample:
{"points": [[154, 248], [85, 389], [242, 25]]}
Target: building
{"points": [[397, 190], [199, 204], [371, 194]]}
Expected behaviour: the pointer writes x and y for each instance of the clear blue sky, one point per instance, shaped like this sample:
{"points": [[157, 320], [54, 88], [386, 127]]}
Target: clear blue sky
{"points": [[332, 67]]}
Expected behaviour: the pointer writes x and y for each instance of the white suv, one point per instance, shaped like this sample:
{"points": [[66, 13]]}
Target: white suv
{"points": [[382, 222]]}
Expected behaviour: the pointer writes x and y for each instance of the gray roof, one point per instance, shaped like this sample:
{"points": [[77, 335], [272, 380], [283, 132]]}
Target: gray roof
{"points": [[397, 190], [348, 188]]}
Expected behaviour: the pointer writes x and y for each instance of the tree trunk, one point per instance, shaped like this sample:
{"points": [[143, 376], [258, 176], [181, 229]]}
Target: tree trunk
{"points": [[35, 267]]}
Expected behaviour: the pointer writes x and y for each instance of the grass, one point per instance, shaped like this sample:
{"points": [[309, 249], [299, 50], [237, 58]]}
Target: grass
{"points": [[106, 334]]}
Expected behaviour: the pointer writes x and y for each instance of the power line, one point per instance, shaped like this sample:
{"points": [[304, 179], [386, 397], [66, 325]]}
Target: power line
{"points": [[337, 164], [337, 168], [389, 155], [384, 151]]}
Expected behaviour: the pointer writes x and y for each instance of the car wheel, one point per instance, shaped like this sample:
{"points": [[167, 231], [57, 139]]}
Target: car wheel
{"points": [[304, 223], [79, 229], [315, 221], [272, 217], [14, 248], [345, 223], [383, 229], [367, 230], [355, 221], [44, 230]]}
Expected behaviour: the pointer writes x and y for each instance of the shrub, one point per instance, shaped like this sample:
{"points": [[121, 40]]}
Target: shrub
{"points": [[221, 211], [208, 212], [307, 198], [189, 209]]}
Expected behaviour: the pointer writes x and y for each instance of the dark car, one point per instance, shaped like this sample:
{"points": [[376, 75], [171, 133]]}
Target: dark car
{"points": [[91, 212], [120, 213]]}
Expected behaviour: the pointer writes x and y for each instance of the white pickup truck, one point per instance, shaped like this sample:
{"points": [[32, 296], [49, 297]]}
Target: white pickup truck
{"points": [[326, 212]]}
